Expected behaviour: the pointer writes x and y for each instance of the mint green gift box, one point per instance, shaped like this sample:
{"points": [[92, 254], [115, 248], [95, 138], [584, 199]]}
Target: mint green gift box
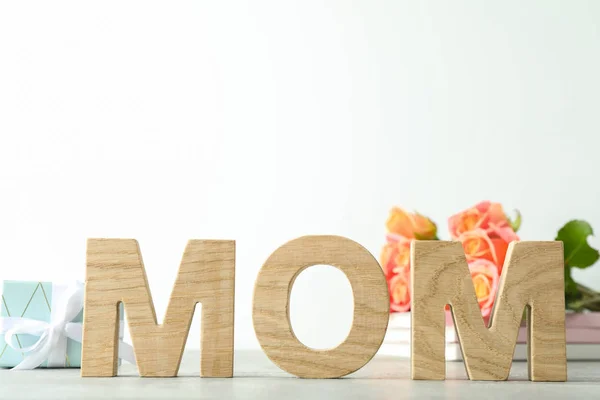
{"points": [[32, 300]]}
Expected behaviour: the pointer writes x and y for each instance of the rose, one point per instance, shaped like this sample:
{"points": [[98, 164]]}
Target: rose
{"points": [[395, 254], [402, 228], [485, 279], [399, 288], [485, 215], [477, 244], [410, 225], [395, 261]]}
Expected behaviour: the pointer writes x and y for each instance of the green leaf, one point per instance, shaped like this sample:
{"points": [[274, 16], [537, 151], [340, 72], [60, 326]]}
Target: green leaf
{"points": [[516, 224], [578, 253]]}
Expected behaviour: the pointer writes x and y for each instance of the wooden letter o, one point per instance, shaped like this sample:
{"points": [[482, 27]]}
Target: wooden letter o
{"points": [[271, 314]]}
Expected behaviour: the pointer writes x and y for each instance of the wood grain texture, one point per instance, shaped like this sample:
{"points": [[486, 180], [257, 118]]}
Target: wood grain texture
{"points": [[272, 297], [115, 273], [532, 278]]}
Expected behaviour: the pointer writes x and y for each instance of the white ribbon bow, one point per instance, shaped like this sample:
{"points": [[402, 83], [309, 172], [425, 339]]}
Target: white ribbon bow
{"points": [[53, 335]]}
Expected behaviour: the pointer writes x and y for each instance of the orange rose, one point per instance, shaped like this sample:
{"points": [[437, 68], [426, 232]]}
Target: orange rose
{"points": [[399, 287], [477, 244], [485, 279], [410, 226], [395, 254], [485, 215]]}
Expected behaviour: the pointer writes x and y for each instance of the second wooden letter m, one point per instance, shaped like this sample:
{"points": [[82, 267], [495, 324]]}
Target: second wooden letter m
{"points": [[532, 279]]}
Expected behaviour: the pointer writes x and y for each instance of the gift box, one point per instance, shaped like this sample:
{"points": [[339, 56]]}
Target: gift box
{"points": [[38, 308]]}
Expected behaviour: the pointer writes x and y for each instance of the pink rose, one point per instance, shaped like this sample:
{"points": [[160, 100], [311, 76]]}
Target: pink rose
{"points": [[485, 279], [485, 215], [395, 254], [399, 287], [395, 261], [477, 244]]}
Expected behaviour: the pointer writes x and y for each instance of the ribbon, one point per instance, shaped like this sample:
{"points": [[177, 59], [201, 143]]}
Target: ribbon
{"points": [[67, 303]]}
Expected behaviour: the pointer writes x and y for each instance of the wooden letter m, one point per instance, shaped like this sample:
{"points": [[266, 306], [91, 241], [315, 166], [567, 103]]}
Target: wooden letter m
{"points": [[532, 279]]}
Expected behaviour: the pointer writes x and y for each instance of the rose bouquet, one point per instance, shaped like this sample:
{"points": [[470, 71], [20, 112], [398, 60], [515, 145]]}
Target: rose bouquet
{"points": [[485, 232]]}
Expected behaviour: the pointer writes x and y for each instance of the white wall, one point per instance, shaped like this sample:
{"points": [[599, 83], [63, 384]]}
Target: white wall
{"points": [[261, 121]]}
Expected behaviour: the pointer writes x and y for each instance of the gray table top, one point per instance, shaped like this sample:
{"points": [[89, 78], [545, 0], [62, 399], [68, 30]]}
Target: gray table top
{"points": [[257, 378]]}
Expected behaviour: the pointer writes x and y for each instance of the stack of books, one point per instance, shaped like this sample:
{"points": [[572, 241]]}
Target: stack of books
{"points": [[583, 338]]}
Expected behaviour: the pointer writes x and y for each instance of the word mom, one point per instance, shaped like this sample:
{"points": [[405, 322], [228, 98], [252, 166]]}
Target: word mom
{"points": [[532, 280]]}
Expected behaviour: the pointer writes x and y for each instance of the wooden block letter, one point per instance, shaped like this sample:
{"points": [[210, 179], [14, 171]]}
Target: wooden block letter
{"points": [[115, 274], [532, 278], [271, 306]]}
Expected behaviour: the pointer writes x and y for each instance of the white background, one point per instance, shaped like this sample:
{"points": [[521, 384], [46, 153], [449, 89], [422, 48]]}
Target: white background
{"points": [[261, 121]]}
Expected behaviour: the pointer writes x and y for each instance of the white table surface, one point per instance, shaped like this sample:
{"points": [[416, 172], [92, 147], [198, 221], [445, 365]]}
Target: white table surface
{"points": [[257, 378]]}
